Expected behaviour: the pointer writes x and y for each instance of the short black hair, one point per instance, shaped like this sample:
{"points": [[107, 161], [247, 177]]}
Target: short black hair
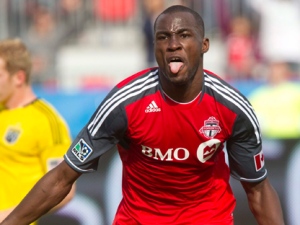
{"points": [[181, 8]]}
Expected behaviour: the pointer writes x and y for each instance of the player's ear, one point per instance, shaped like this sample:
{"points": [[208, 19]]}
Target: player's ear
{"points": [[19, 77], [205, 45]]}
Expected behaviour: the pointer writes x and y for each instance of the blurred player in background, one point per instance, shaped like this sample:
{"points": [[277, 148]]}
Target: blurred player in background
{"points": [[279, 119], [170, 124], [33, 136]]}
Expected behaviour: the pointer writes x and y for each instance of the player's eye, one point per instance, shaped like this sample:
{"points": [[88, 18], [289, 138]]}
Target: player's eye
{"points": [[161, 37], [184, 35]]}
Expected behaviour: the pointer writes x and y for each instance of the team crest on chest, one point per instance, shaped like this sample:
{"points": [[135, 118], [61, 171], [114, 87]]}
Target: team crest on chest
{"points": [[12, 134], [211, 127]]}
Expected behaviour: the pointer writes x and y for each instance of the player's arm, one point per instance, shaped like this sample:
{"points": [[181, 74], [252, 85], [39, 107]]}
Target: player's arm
{"points": [[264, 202], [49, 191], [66, 200]]}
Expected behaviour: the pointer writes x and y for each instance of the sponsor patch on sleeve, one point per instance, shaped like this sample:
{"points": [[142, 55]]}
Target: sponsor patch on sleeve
{"points": [[82, 150], [259, 161]]}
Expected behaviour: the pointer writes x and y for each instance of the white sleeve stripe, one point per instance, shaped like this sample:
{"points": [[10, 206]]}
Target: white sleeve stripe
{"points": [[256, 128], [89, 170], [253, 180], [232, 92], [238, 101], [119, 94], [120, 91], [107, 112]]}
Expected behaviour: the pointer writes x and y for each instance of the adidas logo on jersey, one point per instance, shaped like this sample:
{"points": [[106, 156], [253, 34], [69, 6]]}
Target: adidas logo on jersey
{"points": [[152, 107]]}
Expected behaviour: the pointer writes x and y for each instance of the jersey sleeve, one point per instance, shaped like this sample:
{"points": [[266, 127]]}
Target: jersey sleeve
{"points": [[53, 136], [105, 129], [53, 154], [244, 149]]}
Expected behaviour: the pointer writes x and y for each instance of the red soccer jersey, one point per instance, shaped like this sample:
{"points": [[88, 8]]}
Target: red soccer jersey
{"points": [[174, 163]]}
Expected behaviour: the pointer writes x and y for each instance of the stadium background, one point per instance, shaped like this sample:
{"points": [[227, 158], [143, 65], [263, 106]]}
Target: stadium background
{"points": [[103, 43]]}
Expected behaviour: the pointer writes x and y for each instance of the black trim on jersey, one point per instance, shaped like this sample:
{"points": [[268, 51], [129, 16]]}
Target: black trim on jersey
{"points": [[119, 96], [51, 117], [33, 101], [234, 98]]}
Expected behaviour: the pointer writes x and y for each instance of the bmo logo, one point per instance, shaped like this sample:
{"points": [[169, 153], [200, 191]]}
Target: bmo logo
{"points": [[207, 149], [170, 154], [204, 152]]}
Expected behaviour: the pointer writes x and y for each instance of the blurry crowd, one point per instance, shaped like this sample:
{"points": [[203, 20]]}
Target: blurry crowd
{"points": [[45, 27], [253, 36]]}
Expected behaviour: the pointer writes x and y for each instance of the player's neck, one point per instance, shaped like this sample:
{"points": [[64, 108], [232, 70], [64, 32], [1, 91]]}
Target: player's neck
{"points": [[20, 98], [183, 93]]}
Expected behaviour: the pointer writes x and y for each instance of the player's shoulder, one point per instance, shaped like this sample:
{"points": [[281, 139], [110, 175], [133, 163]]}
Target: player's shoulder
{"points": [[42, 105], [43, 109], [225, 94], [130, 90], [142, 76], [49, 121], [213, 78], [217, 84]]}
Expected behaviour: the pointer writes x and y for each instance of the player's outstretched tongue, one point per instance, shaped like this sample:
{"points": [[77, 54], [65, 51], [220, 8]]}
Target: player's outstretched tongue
{"points": [[175, 66]]}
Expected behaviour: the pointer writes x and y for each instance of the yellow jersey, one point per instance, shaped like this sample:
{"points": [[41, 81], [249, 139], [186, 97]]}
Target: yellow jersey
{"points": [[33, 140]]}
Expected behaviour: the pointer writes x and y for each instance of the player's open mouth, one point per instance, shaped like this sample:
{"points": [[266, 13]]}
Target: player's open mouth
{"points": [[175, 64]]}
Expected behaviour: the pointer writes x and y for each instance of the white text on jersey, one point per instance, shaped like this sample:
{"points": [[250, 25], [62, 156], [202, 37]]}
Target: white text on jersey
{"points": [[204, 152]]}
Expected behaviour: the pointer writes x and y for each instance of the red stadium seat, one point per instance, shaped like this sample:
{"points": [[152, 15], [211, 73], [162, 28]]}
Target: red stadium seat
{"points": [[115, 10]]}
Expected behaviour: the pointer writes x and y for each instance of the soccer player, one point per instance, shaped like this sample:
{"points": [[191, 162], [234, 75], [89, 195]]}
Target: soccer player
{"points": [[33, 136], [170, 125]]}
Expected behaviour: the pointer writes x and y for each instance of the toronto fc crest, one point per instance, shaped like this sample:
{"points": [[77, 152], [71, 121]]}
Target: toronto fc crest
{"points": [[211, 127]]}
